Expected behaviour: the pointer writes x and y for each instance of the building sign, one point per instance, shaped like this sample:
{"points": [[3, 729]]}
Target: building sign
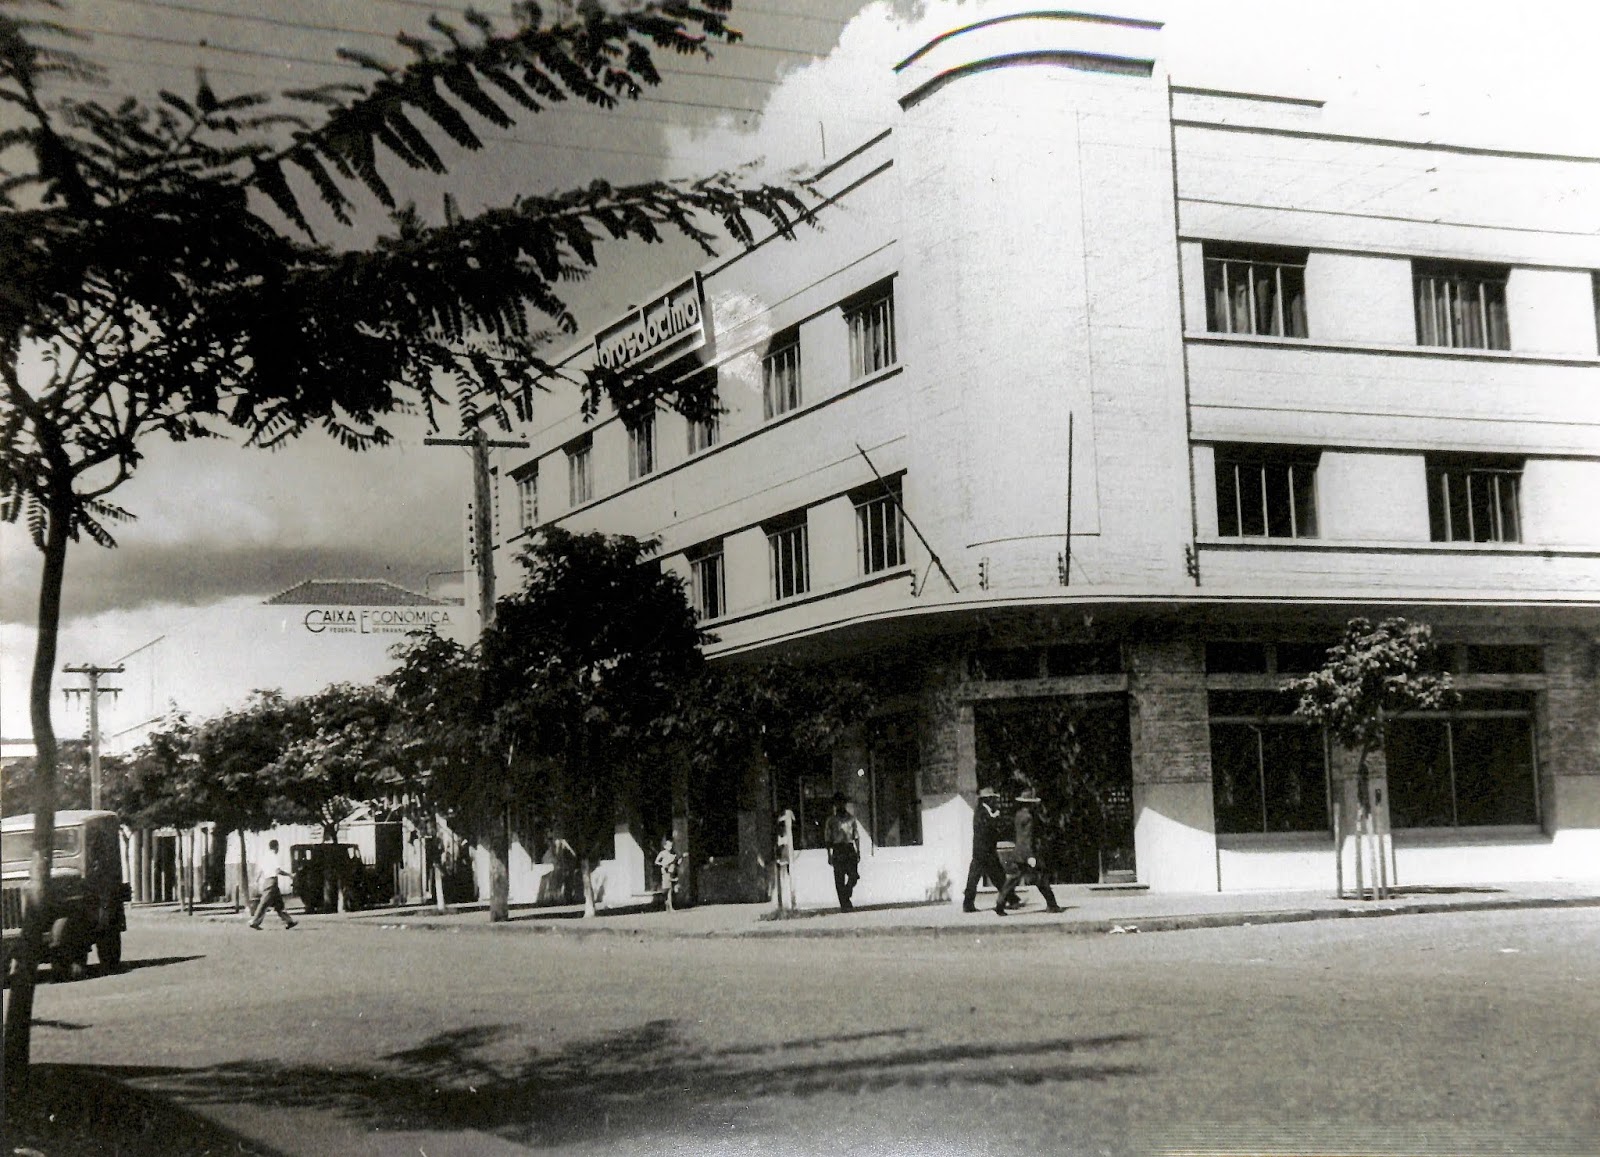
{"points": [[377, 620], [675, 322]]}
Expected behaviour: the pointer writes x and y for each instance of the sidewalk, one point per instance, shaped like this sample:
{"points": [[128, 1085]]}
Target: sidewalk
{"points": [[1087, 911]]}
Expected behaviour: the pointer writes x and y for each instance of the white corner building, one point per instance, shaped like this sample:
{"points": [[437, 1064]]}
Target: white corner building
{"points": [[1094, 407]]}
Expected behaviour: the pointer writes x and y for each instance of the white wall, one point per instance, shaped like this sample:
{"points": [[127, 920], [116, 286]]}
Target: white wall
{"points": [[1551, 311], [1372, 497], [1359, 298]]}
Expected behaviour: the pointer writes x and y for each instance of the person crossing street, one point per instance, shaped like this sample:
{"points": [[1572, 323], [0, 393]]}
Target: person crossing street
{"points": [[271, 894], [1026, 868]]}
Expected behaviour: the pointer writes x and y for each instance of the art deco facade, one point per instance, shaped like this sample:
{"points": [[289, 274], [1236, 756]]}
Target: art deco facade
{"points": [[1098, 404]]}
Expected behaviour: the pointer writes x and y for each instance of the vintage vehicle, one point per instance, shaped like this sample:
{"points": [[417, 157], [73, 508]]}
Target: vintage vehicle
{"points": [[88, 893], [314, 864]]}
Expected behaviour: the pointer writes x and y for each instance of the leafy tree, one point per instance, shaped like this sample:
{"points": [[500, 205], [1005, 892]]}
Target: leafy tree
{"points": [[441, 738], [1372, 673], [235, 750], [164, 276], [73, 788], [584, 668]]}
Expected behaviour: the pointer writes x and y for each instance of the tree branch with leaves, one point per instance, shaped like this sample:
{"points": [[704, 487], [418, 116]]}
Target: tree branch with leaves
{"points": [[165, 277]]}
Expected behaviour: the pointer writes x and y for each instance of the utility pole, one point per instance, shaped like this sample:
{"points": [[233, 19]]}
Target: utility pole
{"points": [[94, 691], [482, 515], [482, 534]]}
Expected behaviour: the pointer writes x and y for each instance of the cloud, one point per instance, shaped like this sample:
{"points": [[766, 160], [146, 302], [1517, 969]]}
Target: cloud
{"points": [[217, 519], [1467, 71]]}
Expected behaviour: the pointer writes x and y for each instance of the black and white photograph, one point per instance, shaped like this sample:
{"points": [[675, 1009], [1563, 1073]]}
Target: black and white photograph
{"points": [[916, 578]]}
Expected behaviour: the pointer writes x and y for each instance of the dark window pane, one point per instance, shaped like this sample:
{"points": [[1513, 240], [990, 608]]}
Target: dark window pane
{"points": [[1494, 772], [1299, 658], [1418, 754], [1294, 292], [1295, 779], [1236, 777], [1006, 663], [1514, 659], [1305, 500], [1084, 659], [1254, 704], [1275, 478], [1236, 658], [1227, 499], [1252, 499]]}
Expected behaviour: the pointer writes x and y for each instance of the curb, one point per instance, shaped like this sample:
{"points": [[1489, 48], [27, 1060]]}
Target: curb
{"points": [[1020, 925]]}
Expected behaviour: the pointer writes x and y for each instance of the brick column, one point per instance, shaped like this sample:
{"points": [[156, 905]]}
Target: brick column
{"points": [[1569, 754], [1175, 842]]}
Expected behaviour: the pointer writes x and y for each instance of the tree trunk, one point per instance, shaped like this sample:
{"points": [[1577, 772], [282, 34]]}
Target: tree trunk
{"points": [[586, 867], [243, 894], [499, 862], [19, 1009]]}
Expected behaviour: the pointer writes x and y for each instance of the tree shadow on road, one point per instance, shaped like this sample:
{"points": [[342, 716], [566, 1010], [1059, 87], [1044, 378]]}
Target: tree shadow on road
{"points": [[85, 1111], [644, 1080]]}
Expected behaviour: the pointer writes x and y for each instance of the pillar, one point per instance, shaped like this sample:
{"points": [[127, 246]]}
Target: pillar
{"points": [[1175, 843]]}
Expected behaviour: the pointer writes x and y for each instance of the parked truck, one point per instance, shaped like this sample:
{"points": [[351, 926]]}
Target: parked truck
{"points": [[87, 894]]}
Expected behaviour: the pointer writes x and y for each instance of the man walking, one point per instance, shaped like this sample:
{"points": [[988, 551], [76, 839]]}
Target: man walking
{"points": [[842, 834], [271, 895], [986, 821], [1027, 868]]}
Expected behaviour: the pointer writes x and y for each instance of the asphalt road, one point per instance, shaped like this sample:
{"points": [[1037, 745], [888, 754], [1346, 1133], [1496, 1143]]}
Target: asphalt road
{"points": [[1463, 1034]]}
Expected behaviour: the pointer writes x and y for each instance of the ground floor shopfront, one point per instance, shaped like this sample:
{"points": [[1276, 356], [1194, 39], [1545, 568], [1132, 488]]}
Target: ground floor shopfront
{"points": [[1167, 755]]}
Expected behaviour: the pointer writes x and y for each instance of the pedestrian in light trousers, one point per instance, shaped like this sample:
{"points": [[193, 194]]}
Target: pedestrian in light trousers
{"points": [[271, 895], [1027, 868]]}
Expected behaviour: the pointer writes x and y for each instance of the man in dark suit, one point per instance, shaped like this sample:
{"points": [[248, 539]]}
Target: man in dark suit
{"points": [[987, 819]]}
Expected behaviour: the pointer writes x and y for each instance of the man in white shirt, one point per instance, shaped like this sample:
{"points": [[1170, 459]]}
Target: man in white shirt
{"points": [[271, 895]]}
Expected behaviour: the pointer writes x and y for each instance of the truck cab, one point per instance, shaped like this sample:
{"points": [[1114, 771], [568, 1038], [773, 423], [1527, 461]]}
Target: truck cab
{"points": [[87, 894]]}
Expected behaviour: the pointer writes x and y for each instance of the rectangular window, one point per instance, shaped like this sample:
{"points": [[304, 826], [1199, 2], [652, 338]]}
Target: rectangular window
{"points": [[871, 327], [1067, 659], [780, 376], [892, 757], [1269, 770], [641, 447], [1463, 768], [790, 561], [1461, 306], [1256, 290], [1505, 659], [528, 500], [704, 433], [1267, 492], [880, 530], [580, 471], [1474, 499], [708, 583]]}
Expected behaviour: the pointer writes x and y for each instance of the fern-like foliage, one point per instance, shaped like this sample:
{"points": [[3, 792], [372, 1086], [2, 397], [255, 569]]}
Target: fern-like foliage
{"points": [[149, 273]]}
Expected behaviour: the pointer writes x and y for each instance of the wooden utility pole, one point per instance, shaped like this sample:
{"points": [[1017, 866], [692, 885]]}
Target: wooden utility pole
{"points": [[483, 541], [482, 513], [93, 691]]}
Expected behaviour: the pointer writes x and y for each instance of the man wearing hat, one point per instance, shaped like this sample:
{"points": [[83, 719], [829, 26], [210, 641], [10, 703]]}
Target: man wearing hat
{"points": [[986, 824], [1027, 863], [842, 834]]}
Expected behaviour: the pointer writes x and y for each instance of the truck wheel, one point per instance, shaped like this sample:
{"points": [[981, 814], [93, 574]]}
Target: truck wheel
{"points": [[109, 949]]}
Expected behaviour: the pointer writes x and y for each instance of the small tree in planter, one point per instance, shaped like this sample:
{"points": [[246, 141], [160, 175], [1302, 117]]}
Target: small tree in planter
{"points": [[1372, 673]]}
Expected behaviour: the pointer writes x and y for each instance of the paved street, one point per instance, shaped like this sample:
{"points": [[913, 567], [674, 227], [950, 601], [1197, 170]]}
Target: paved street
{"points": [[1456, 1033]]}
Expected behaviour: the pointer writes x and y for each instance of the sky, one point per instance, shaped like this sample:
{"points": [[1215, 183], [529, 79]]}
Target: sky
{"points": [[217, 522]]}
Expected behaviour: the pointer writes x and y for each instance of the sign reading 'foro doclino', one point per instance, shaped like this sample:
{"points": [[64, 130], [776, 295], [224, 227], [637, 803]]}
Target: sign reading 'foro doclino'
{"points": [[675, 321]]}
